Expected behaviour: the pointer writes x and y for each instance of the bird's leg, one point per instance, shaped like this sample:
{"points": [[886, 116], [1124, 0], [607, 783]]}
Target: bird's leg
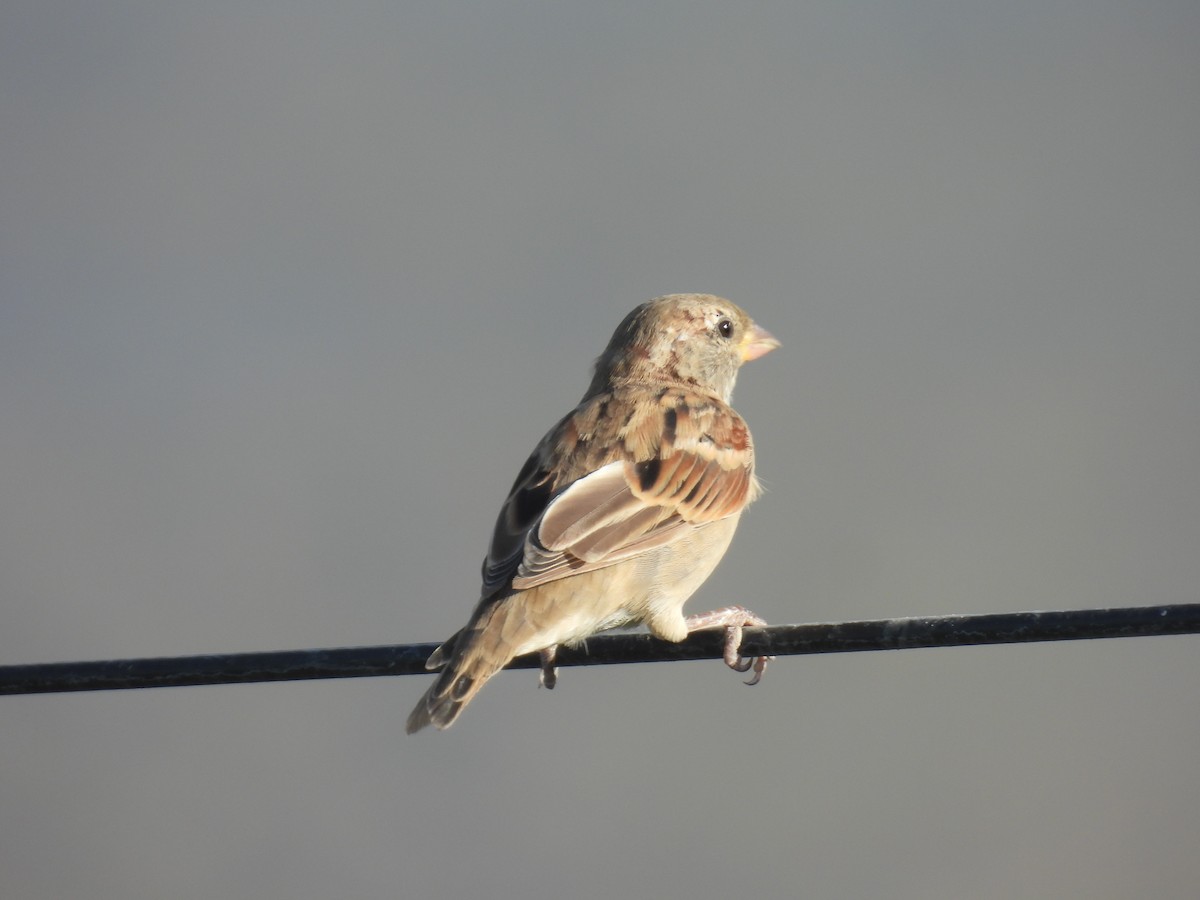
{"points": [[733, 619], [548, 677]]}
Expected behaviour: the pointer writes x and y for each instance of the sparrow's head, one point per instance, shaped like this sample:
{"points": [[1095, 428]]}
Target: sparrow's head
{"points": [[694, 339]]}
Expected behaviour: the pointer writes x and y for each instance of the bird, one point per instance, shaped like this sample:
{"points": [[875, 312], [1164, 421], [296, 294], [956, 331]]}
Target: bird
{"points": [[624, 508]]}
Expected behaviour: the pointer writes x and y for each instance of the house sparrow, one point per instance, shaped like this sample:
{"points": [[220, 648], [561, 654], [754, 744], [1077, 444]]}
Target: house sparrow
{"points": [[625, 507]]}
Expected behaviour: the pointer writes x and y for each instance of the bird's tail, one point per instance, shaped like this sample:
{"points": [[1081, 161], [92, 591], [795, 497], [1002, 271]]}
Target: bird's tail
{"points": [[467, 661]]}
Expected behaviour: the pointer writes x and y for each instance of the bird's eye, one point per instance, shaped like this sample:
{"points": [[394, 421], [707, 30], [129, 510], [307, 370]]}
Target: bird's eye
{"points": [[725, 327]]}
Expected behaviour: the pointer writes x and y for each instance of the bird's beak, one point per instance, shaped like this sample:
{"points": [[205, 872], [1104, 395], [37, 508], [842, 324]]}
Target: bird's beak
{"points": [[757, 342]]}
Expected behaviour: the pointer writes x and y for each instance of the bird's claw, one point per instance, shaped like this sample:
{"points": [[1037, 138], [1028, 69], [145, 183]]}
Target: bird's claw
{"points": [[734, 619], [760, 665], [548, 676]]}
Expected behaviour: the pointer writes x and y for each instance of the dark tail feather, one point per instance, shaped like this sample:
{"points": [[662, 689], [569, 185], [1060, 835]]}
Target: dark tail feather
{"points": [[470, 658], [453, 690]]}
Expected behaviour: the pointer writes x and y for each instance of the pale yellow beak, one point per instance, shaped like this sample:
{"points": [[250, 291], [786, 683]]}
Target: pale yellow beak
{"points": [[756, 342]]}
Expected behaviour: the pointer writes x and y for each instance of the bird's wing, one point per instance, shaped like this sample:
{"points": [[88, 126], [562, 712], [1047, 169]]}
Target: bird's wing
{"points": [[677, 462]]}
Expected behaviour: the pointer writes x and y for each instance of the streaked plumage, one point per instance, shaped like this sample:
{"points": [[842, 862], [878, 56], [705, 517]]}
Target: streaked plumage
{"points": [[625, 507]]}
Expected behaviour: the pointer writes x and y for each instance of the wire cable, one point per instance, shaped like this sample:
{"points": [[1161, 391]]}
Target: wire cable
{"points": [[610, 649]]}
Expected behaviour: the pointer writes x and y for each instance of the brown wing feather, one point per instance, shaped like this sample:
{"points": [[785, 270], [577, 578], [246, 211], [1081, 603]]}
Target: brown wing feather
{"points": [[685, 460]]}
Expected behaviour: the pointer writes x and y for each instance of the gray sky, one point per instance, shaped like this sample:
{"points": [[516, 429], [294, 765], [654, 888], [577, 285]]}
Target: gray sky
{"points": [[287, 293]]}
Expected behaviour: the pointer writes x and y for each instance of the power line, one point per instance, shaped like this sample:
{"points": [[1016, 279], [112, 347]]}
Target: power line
{"points": [[609, 649]]}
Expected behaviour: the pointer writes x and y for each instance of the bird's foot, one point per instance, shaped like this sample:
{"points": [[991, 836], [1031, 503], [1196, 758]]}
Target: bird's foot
{"points": [[548, 676], [733, 619]]}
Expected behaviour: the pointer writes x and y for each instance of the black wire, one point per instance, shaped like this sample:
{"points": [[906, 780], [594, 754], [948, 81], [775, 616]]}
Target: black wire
{"points": [[608, 649]]}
